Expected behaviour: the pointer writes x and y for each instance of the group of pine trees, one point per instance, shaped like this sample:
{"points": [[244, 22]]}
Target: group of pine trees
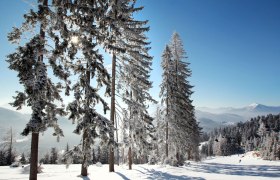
{"points": [[7, 152], [54, 156], [61, 53], [261, 134], [7, 155], [177, 117]]}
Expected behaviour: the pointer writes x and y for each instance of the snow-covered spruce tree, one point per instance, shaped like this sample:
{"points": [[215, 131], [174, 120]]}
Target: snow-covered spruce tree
{"points": [[125, 39], [87, 64], [184, 110], [134, 75], [110, 23], [29, 61], [134, 69], [179, 111], [166, 94]]}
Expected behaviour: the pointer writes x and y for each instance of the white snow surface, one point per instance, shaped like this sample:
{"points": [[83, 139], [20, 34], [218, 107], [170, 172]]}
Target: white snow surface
{"points": [[216, 168]]}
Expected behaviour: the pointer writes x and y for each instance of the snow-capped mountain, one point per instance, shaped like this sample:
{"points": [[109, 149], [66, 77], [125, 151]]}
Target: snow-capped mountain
{"points": [[254, 107], [263, 108], [226, 116]]}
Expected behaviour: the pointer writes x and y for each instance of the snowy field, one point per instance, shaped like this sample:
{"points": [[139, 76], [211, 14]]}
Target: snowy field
{"points": [[223, 168]]}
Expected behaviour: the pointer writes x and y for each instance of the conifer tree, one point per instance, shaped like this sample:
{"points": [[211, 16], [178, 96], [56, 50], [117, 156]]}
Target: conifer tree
{"points": [[185, 115], [23, 159], [166, 92], [135, 94], [179, 111], [67, 148], [29, 61], [46, 159], [126, 41], [86, 18], [53, 156], [2, 158], [8, 145]]}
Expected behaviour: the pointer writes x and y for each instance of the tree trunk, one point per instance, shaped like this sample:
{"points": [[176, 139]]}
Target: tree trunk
{"points": [[84, 167], [123, 157], [129, 159], [85, 132], [10, 155], [112, 115], [189, 154], [166, 140], [117, 139], [35, 135], [34, 156], [178, 159], [166, 130]]}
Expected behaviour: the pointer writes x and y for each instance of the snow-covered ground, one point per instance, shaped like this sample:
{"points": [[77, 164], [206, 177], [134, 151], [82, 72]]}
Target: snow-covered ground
{"points": [[223, 168]]}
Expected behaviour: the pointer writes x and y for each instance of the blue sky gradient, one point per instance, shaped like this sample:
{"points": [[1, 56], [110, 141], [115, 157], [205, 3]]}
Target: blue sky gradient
{"points": [[233, 47]]}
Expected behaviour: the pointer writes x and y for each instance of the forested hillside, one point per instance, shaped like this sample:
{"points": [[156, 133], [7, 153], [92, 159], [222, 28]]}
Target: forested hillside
{"points": [[260, 133]]}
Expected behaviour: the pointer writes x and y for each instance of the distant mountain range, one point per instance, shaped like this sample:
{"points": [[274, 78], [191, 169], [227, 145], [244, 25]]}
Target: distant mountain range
{"points": [[210, 118], [17, 121]]}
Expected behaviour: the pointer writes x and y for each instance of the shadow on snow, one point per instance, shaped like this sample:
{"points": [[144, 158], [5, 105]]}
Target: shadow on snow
{"points": [[240, 170], [122, 175], [156, 174], [83, 177]]}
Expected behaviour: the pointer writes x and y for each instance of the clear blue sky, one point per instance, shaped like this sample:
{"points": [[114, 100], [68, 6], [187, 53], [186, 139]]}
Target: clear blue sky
{"points": [[233, 47]]}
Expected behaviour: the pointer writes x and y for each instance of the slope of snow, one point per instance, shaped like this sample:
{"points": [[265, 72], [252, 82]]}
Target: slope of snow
{"points": [[223, 168]]}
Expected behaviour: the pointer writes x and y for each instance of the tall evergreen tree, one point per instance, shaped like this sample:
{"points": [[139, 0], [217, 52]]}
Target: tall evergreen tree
{"points": [[184, 110], [29, 61], [136, 86], [126, 41], [86, 18], [166, 93], [179, 113]]}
